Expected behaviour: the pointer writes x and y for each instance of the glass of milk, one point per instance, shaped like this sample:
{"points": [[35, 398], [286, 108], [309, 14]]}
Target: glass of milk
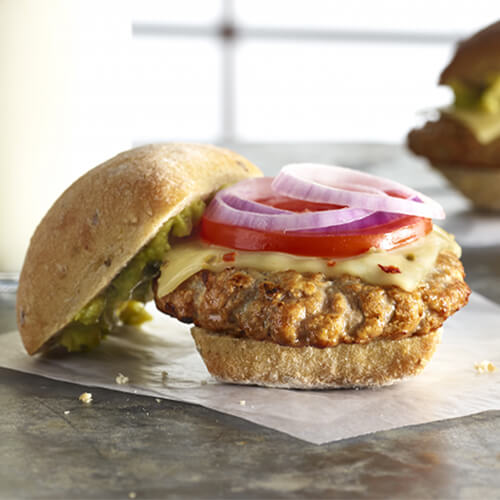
{"points": [[63, 105]]}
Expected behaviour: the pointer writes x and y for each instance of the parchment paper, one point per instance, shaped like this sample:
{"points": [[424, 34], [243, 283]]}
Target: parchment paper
{"points": [[449, 387]]}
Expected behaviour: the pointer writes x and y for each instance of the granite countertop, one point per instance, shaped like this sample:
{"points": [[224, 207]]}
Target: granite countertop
{"points": [[125, 446]]}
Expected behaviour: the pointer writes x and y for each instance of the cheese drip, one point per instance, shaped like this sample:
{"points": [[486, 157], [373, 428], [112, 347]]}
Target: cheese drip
{"points": [[413, 261], [484, 126]]}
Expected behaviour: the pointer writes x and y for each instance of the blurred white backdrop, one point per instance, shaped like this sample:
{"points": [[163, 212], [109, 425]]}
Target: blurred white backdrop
{"points": [[63, 104], [293, 70], [83, 79]]}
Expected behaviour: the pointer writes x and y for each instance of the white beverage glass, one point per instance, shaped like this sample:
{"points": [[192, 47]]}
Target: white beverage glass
{"points": [[63, 105]]}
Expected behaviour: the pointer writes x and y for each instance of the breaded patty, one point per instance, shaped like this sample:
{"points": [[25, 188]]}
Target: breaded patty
{"points": [[449, 142], [294, 309]]}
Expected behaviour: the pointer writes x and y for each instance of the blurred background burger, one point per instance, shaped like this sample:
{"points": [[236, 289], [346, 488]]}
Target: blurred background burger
{"points": [[464, 142]]}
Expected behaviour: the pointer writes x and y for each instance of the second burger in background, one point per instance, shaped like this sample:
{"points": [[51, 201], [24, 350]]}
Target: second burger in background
{"points": [[464, 143]]}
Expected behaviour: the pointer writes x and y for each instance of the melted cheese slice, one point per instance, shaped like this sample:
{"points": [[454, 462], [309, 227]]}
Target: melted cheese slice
{"points": [[414, 261], [484, 126]]}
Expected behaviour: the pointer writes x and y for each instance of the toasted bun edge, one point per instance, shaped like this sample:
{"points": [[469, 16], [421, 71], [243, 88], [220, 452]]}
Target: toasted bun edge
{"points": [[481, 185], [376, 364]]}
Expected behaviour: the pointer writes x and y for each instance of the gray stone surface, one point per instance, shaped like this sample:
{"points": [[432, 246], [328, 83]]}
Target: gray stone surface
{"points": [[122, 444]]}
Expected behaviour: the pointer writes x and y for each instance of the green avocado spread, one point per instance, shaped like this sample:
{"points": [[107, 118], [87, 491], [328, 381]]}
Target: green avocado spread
{"points": [[122, 301], [484, 97]]}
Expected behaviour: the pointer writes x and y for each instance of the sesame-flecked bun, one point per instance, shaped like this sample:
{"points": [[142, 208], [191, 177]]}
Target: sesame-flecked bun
{"points": [[378, 363], [476, 57], [102, 220]]}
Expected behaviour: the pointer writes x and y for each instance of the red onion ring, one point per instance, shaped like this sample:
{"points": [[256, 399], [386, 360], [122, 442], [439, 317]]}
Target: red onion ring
{"points": [[231, 206], [365, 197], [342, 186], [240, 196]]}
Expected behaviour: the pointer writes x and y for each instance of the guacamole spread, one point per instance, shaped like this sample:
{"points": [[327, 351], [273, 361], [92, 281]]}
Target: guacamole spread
{"points": [[484, 98], [122, 301]]}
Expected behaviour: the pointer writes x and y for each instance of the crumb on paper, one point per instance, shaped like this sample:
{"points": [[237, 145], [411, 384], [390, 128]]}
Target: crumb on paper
{"points": [[85, 397], [164, 376], [204, 382], [485, 366], [132, 494], [241, 443], [121, 379], [66, 412], [243, 402], [158, 400]]}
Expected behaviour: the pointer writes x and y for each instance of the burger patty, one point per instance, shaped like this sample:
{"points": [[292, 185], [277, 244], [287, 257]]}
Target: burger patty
{"points": [[294, 309], [449, 142]]}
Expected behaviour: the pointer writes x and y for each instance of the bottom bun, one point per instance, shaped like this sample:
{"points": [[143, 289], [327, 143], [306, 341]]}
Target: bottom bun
{"points": [[379, 363], [480, 184]]}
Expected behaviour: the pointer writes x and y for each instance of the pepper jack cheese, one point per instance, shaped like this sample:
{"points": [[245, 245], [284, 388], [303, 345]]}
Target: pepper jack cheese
{"points": [[405, 267]]}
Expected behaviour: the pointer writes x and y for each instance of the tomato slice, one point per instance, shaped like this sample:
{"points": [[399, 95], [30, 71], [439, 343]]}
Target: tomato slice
{"points": [[388, 236]]}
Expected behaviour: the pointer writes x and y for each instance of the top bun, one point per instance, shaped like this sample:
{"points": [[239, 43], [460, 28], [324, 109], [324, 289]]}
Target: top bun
{"points": [[476, 58], [102, 220]]}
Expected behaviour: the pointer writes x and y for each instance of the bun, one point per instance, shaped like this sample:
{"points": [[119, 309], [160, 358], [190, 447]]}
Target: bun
{"points": [[475, 58], [101, 221], [480, 184], [378, 363]]}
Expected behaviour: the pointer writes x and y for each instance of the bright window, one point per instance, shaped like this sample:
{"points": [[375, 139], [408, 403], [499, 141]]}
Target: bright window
{"points": [[292, 70]]}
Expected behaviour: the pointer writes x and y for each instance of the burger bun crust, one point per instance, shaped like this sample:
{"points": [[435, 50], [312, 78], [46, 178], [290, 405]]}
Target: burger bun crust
{"points": [[476, 58], [102, 220], [378, 363], [481, 185]]}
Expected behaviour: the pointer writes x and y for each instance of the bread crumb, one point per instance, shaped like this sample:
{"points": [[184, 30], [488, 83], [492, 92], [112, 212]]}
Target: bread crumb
{"points": [[132, 494], [66, 412], [204, 382], [158, 400], [164, 376], [121, 379], [85, 397], [485, 366], [243, 402], [241, 443]]}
